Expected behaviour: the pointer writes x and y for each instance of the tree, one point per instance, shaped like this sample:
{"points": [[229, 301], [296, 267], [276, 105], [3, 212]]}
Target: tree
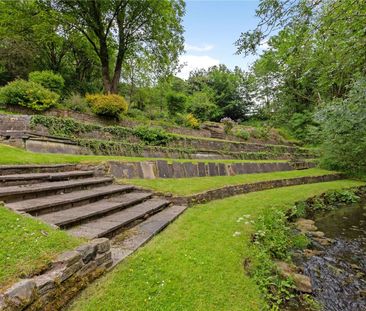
{"points": [[119, 29], [231, 91]]}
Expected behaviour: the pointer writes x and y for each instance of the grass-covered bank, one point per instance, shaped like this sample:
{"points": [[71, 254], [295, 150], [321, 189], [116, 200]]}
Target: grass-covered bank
{"points": [[197, 262], [28, 245], [12, 155], [187, 186]]}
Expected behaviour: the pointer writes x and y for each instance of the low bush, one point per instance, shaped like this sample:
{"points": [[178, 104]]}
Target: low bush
{"points": [[191, 121], [111, 105], [77, 103], [260, 132], [153, 135], [243, 134], [48, 79], [228, 124], [28, 94]]}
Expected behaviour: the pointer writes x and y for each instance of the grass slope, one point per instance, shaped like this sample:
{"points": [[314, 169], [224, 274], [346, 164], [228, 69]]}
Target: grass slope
{"points": [[27, 245], [12, 155], [197, 262], [187, 186]]}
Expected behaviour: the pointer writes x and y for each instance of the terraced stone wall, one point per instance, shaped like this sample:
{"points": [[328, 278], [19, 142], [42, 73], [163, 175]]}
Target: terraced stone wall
{"points": [[163, 169]]}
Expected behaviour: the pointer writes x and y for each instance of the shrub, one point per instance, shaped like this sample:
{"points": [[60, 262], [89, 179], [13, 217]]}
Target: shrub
{"points": [[228, 124], [243, 134], [152, 135], [176, 102], [48, 79], [76, 102], [202, 106], [27, 94], [110, 105], [344, 131], [191, 121]]}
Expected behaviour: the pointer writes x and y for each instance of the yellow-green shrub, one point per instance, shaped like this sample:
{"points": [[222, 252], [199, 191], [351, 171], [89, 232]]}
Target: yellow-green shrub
{"points": [[27, 94], [191, 121], [110, 105]]}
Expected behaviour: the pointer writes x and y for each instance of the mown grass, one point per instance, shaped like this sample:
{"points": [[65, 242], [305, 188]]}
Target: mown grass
{"points": [[187, 186], [12, 155], [27, 245], [197, 262]]}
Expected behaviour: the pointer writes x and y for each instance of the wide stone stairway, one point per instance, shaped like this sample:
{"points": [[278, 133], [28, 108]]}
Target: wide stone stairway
{"points": [[83, 202]]}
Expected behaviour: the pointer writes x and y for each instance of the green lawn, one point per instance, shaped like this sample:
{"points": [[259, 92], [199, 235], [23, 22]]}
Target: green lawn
{"points": [[187, 186], [27, 245], [12, 155], [197, 262]]}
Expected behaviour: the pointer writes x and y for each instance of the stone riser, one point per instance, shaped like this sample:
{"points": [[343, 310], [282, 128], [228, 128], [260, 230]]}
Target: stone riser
{"points": [[26, 169], [32, 195], [28, 180], [163, 169]]}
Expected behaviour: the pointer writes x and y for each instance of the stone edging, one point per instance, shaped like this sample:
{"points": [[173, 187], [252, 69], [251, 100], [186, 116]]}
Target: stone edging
{"points": [[233, 190], [69, 273]]}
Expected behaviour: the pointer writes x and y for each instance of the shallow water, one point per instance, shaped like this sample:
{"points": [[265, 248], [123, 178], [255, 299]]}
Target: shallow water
{"points": [[339, 275]]}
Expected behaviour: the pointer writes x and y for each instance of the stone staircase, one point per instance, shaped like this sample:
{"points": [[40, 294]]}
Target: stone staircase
{"points": [[81, 202]]}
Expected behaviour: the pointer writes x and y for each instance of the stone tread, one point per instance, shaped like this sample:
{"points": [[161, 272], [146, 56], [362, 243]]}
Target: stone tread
{"points": [[37, 166], [47, 176], [143, 232], [77, 214], [49, 186], [67, 198], [106, 225]]}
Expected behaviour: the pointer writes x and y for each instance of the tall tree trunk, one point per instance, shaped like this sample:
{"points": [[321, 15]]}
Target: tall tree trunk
{"points": [[104, 58]]}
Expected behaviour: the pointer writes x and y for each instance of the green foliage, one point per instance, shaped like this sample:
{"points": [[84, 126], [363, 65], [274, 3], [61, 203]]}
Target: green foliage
{"points": [[273, 233], [230, 90], [242, 133], [344, 131], [202, 106], [260, 132], [28, 94], [111, 105], [324, 202], [275, 239], [153, 135], [228, 124], [176, 102], [48, 79], [77, 103], [303, 127]]}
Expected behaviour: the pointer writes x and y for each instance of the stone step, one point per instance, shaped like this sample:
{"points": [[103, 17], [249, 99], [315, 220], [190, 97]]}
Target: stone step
{"points": [[143, 232], [36, 168], [76, 215], [18, 179], [19, 193], [108, 225], [68, 200]]}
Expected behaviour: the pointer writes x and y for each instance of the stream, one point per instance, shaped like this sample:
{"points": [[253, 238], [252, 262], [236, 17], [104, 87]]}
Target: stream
{"points": [[338, 274]]}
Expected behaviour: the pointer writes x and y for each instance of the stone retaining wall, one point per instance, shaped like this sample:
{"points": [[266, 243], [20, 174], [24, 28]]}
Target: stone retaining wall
{"points": [[10, 123], [69, 273], [229, 191], [163, 169]]}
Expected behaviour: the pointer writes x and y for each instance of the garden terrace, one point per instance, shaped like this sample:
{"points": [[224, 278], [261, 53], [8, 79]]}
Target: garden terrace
{"points": [[70, 136]]}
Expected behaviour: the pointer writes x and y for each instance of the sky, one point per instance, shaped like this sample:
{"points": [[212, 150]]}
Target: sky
{"points": [[211, 28]]}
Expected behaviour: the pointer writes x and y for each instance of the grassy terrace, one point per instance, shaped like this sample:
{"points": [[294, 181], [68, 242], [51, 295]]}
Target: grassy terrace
{"points": [[197, 262], [27, 245], [187, 186], [12, 155]]}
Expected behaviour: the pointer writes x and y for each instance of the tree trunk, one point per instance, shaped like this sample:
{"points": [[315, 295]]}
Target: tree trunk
{"points": [[104, 58]]}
